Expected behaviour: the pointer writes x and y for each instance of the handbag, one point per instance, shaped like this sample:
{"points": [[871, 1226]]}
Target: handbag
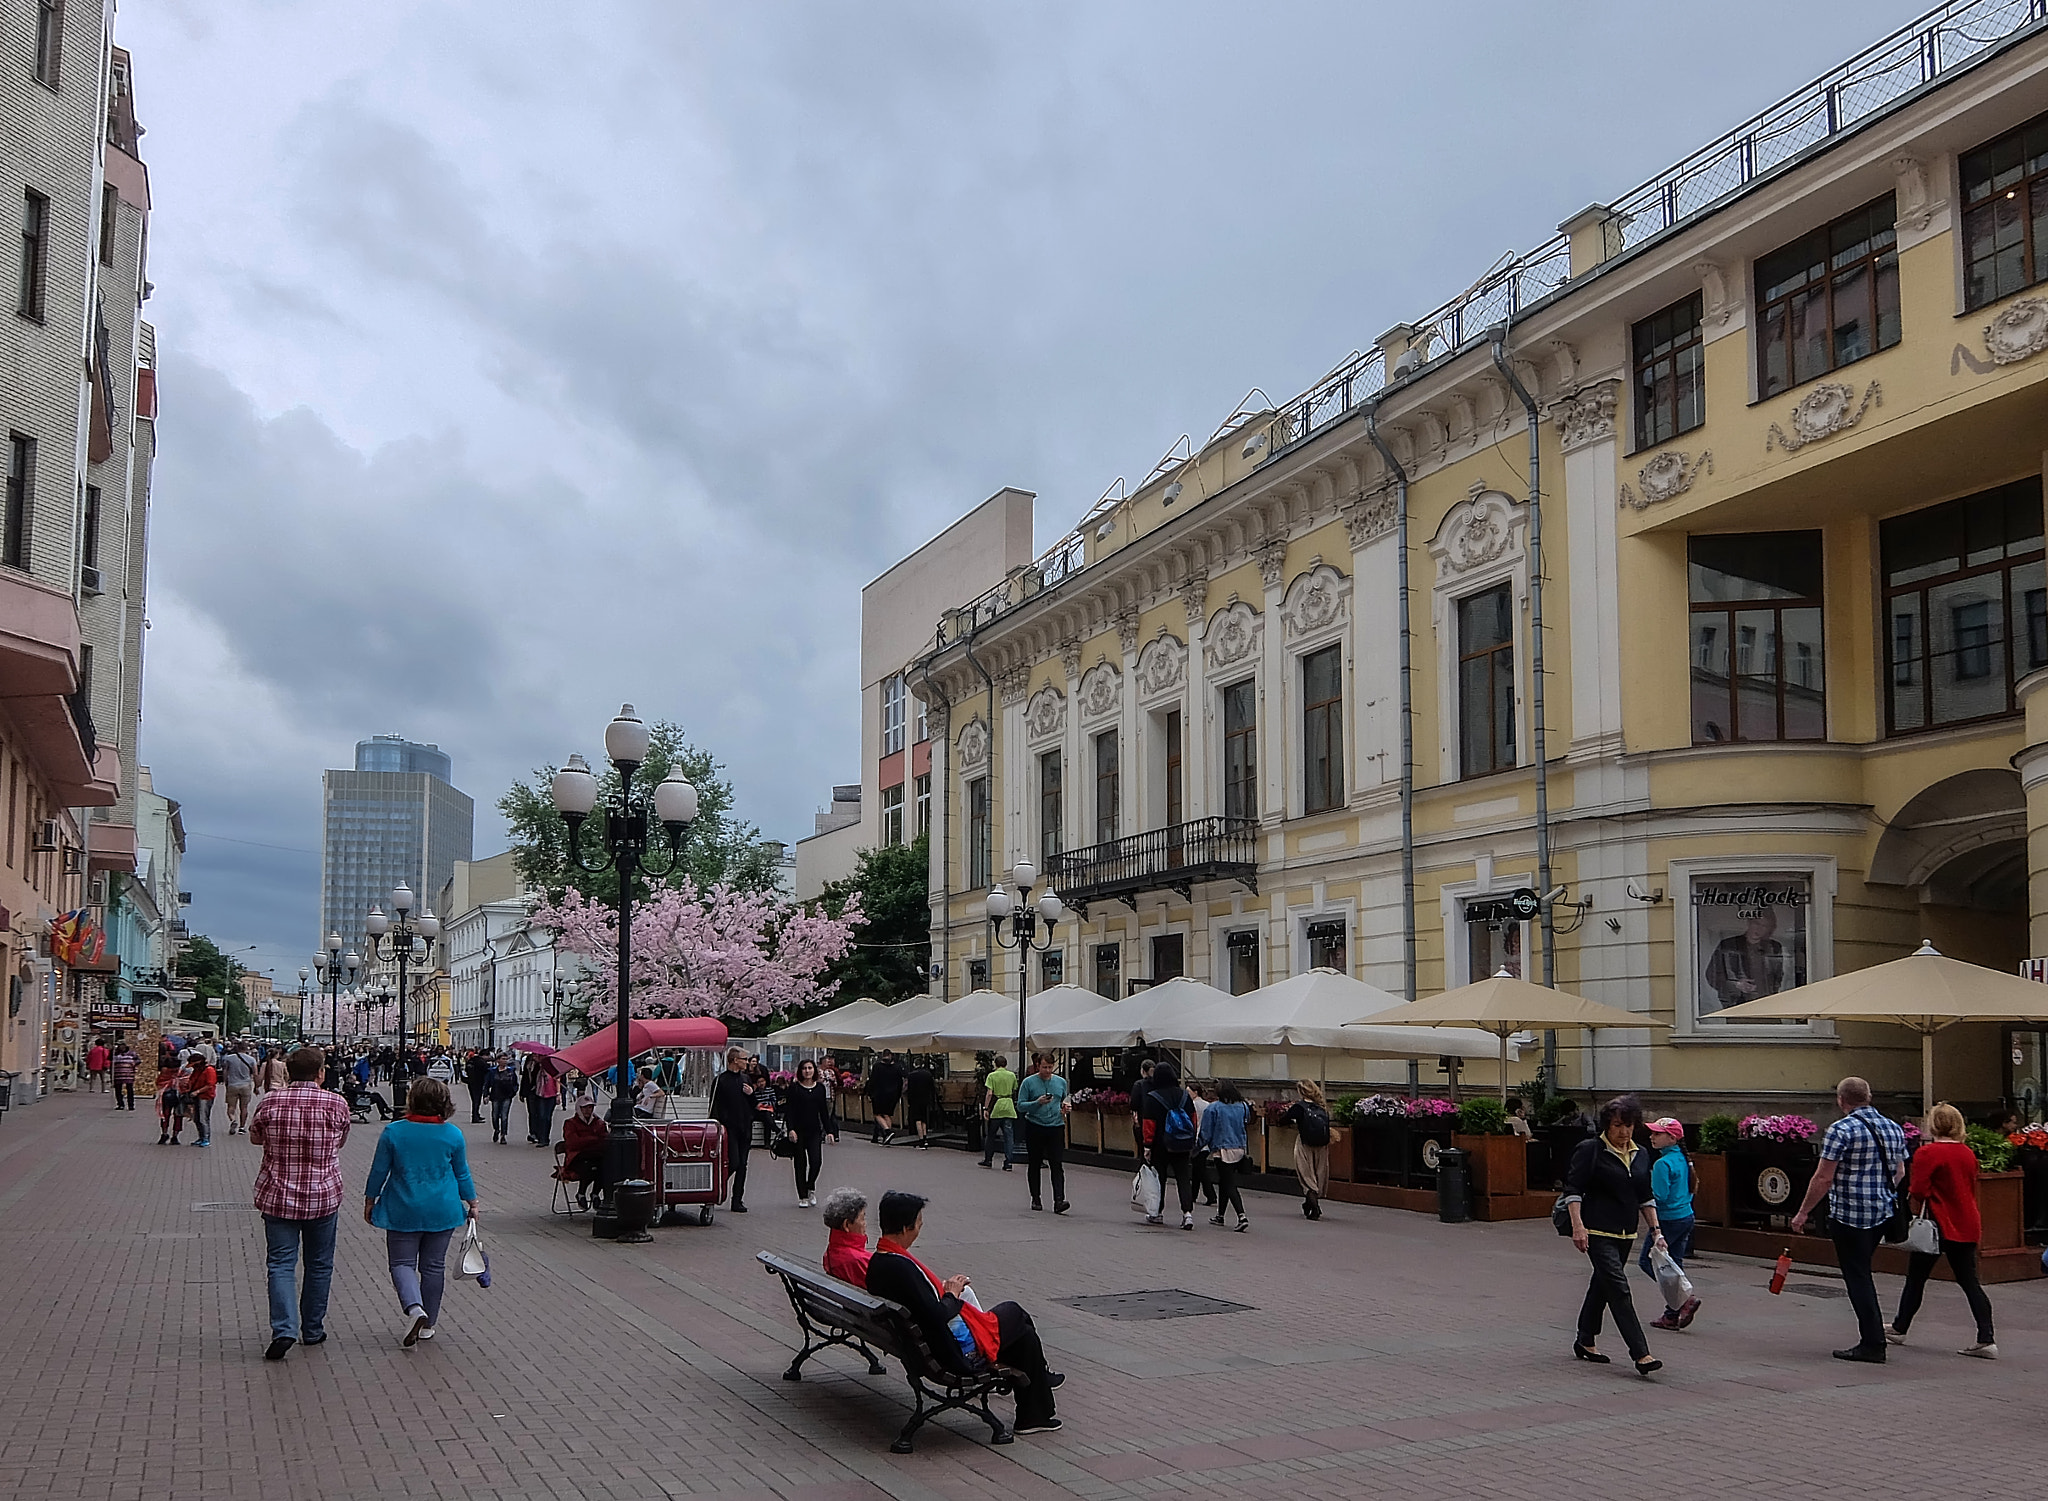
{"points": [[476, 1262], [1923, 1236]]}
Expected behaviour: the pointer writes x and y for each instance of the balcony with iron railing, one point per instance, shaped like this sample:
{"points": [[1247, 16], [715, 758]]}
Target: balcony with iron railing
{"points": [[1947, 38], [1175, 858]]}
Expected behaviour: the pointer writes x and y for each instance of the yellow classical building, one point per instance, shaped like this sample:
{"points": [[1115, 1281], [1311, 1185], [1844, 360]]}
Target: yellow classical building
{"points": [[1735, 663]]}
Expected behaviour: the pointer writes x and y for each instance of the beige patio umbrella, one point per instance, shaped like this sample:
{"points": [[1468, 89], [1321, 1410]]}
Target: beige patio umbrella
{"points": [[1504, 1005], [1926, 991], [842, 1027], [1312, 1012]]}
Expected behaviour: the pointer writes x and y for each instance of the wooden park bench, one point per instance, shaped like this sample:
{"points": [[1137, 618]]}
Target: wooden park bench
{"points": [[831, 1312]]}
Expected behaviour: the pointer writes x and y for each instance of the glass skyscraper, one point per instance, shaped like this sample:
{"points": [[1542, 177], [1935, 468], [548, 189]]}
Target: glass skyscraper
{"points": [[394, 818]]}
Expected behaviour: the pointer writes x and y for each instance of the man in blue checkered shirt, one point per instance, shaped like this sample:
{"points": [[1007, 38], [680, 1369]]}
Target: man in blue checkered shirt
{"points": [[1862, 1160]]}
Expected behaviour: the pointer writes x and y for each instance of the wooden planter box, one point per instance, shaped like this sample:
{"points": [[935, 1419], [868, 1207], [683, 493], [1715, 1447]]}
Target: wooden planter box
{"points": [[2001, 1200], [1116, 1134], [1710, 1188], [1379, 1151], [1499, 1164], [1340, 1154], [2002, 1257], [1550, 1153], [1084, 1130], [1280, 1141]]}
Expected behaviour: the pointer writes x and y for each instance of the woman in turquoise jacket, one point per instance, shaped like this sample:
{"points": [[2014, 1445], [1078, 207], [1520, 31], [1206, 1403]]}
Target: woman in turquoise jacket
{"points": [[419, 1194]]}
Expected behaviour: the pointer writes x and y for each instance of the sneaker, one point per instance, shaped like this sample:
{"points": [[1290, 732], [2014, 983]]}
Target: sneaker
{"points": [[278, 1346], [986, 1163], [1036, 1205], [1054, 1380], [1893, 1336], [1215, 1219], [1985, 1351], [1668, 1321], [1153, 1219], [1062, 1207], [1009, 1167], [415, 1321], [1047, 1425], [427, 1333], [1187, 1222], [1688, 1311], [1244, 1222]]}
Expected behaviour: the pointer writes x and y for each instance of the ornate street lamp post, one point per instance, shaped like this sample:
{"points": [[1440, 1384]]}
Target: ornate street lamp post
{"points": [[629, 817], [1024, 936], [405, 938], [329, 964]]}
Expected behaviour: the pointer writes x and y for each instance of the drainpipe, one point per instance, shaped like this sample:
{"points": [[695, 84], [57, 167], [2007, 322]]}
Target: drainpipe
{"points": [[1543, 883], [924, 669], [1372, 431]]}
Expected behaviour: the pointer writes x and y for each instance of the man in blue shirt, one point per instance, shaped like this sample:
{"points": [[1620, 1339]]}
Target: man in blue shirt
{"points": [[1042, 1104], [1862, 1158]]}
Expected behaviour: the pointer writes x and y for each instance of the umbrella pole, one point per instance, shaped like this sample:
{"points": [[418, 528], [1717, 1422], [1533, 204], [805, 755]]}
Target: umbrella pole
{"points": [[1926, 1073], [1503, 1068]]}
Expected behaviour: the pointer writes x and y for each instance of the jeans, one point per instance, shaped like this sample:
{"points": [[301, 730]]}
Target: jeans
{"points": [[303, 1317], [1853, 1250], [1677, 1241], [1043, 1146], [1227, 1196], [1607, 1292], [810, 1161], [202, 1117], [501, 1117], [419, 1263], [1962, 1260], [124, 1094], [1177, 1167], [1004, 1130], [96, 1079], [540, 1118]]}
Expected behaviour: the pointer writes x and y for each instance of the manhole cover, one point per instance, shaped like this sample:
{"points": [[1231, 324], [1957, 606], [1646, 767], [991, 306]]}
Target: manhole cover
{"points": [[1164, 1303], [1816, 1290]]}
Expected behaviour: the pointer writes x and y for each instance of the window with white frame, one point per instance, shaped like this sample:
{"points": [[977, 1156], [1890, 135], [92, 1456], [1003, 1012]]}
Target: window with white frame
{"points": [[1241, 950], [894, 702], [1327, 947], [1478, 612], [1322, 730], [924, 805], [892, 814], [1486, 682]]}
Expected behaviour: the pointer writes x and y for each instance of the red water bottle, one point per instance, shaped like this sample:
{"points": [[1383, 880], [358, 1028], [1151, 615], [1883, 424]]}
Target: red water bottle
{"points": [[1782, 1270]]}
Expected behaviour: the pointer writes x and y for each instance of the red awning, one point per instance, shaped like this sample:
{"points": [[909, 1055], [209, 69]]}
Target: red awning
{"points": [[600, 1050]]}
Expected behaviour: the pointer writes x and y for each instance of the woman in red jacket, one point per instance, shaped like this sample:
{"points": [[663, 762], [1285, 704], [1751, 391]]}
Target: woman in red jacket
{"points": [[1945, 1181]]}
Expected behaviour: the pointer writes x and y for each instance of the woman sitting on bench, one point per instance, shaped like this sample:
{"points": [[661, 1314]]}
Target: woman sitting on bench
{"points": [[963, 1338], [584, 1134]]}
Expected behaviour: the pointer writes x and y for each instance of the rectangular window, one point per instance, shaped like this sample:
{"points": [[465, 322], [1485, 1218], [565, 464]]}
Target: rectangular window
{"points": [[1322, 730], [892, 814], [1167, 957], [1108, 785], [35, 254], [2005, 214], [1051, 819], [91, 546], [1109, 962], [1493, 948], [893, 704], [924, 805], [1240, 750], [1052, 969], [110, 199], [1762, 592], [979, 857], [1326, 946], [1749, 938], [1966, 605], [1176, 805], [1486, 683], [977, 974], [923, 719], [1671, 378], [1242, 947], [21, 489], [49, 41], [1828, 299]]}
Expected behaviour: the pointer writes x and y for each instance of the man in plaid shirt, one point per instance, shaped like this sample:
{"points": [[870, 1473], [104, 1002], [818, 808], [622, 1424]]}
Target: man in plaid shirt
{"points": [[1862, 1159], [298, 1192]]}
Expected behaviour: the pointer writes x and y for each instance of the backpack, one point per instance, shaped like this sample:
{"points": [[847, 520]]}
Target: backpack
{"points": [[1314, 1127], [1179, 1126]]}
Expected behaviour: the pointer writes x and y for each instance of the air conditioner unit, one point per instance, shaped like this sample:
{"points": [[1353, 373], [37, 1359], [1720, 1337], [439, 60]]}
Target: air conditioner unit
{"points": [[96, 891], [49, 837], [89, 580]]}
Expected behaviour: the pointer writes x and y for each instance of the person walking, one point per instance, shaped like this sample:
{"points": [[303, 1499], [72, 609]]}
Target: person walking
{"points": [[543, 1094], [1671, 1186], [170, 1110], [807, 1111], [271, 1073], [504, 1087], [1944, 1181], [885, 1088], [920, 1098], [1043, 1105], [300, 1127], [1310, 1117], [97, 1060], [1862, 1160], [732, 1106], [198, 1090], [1606, 1189], [1224, 1132], [419, 1194], [123, 1068], [238, 1080], [1169, 1140], [476, 1074], [999, 1114], [1141, 1085]]}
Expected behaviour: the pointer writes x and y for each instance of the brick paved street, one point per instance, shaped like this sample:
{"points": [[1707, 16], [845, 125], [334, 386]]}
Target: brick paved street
{"points": [[1386, 1351]]}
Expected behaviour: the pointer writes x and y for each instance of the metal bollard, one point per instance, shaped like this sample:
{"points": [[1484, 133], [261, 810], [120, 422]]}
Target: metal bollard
{"points": [[1453, 1187]]}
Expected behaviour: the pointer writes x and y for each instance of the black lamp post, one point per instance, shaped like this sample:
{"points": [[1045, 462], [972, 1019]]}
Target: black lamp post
{"points": [[1025, 923], [329, 964], [405, 938], [629, 817]]}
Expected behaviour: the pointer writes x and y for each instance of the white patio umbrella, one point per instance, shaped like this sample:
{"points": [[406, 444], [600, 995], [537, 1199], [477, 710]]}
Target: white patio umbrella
{"points": [[1310, 1012], [996, 1031], [1140, 1018], [841, 1027], [917, 1032]]}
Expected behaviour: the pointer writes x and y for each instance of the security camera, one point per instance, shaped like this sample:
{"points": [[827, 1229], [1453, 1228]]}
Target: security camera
{"points": [[1553, 893]]}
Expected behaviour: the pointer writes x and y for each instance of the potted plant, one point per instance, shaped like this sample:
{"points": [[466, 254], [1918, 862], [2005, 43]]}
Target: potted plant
{"points": [[2030, 1148], [1710, 1169], [2001, 1189], [1769, 1166], [1084, 1124], [1500, 1163]]}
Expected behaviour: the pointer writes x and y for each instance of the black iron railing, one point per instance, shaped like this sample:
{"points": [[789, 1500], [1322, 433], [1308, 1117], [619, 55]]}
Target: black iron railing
{"points": [[80, 702], [1174, 858]]}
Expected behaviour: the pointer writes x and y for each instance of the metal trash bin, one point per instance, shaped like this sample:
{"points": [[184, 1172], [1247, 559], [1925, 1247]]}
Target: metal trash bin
{"points": [[1453, 1186], [633, 1208]]}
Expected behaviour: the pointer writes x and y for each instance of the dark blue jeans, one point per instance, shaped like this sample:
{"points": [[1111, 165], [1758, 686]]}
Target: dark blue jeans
{"points": [[1677, 1240], [303, 1317]]}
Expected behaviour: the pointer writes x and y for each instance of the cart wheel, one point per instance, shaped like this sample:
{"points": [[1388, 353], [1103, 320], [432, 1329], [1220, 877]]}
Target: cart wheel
{"points": [[704, 1215]]}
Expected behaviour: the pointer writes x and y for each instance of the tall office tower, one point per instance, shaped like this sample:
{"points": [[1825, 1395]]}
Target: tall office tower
{"points": [[394, 818]]}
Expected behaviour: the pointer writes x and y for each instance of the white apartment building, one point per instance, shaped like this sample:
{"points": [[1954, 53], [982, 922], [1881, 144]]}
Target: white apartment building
{"points": [[506, 982]]}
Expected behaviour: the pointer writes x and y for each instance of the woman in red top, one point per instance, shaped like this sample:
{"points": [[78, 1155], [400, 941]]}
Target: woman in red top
{"points": [[1944, 1180], [846, 1246]]}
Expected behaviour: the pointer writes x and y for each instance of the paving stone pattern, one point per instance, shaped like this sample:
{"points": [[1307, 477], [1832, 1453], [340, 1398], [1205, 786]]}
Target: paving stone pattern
{"points": [[1383, 1352]]}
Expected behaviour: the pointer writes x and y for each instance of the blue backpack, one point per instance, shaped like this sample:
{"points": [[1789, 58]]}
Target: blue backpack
{"points": [[1180, 1125]]}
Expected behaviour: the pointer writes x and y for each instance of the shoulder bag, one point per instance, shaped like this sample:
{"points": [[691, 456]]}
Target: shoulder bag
{"points": [[1899, 1224]]}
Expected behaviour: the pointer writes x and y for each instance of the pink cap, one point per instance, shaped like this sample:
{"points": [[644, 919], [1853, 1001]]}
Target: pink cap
{"points": [[1668, 1125]]}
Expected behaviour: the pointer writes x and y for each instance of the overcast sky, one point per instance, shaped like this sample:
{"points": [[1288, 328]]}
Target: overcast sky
{"points": [[522, 358]]}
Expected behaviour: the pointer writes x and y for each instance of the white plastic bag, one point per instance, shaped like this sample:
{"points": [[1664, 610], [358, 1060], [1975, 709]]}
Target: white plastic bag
{"points": [[1671, 1278], [1146, 1193]]}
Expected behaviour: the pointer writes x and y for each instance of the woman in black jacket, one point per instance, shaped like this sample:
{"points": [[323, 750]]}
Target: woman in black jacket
{"points": [[807, 1111], [1606, 1189]]}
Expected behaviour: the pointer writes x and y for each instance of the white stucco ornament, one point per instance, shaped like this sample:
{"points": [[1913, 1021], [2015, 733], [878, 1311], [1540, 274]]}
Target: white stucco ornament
{"points": [[1476, 532], [974, 743], [1046, 715], [2019, 332], [1667, 476], [1827, 409], [1102, 689], [1235, 634], [1319, 598], [1162, 666]]}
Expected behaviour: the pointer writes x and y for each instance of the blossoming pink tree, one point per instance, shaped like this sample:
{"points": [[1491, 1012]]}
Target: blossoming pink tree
{"points": [[716, 952]]}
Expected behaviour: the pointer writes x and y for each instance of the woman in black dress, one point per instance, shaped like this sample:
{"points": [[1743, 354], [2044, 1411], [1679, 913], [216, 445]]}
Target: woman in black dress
{"points": [[807, 1111]]}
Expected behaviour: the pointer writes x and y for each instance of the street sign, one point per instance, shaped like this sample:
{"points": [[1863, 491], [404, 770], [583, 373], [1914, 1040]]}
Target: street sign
{"points": [[114, 1016], [1518, 905], [216, 1003]]}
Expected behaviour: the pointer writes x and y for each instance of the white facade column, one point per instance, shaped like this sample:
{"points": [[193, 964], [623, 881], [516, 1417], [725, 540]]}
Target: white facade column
{"points": [[1135, 752], [1075, 829], [1586, 425], [1008, 841], [1194, 717], [1274, 697], [1374, 754]]}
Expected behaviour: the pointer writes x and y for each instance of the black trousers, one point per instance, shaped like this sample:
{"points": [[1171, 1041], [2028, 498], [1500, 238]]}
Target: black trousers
{"points": [[810, 1161], [1853, 1250], [476, 1102], [1227, 1196], [738, 1141], [540, 1118], [1607, 1292], [1962, 1260], [1047, 1145], [1021, 1351], [1178, 1166], [124, 1094]]}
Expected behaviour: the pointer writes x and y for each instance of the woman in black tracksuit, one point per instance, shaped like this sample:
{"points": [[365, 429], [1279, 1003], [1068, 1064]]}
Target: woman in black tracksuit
{"points": [[1607, 1188], [807, 1111]]}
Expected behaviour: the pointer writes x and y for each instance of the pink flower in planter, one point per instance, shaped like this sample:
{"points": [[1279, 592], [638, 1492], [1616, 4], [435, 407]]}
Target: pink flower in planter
{"points": [[1431, 1110], [1787, 1129]]}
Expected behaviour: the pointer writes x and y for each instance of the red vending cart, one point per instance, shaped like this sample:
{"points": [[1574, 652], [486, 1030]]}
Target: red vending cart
{"points": [[688, 1165]]}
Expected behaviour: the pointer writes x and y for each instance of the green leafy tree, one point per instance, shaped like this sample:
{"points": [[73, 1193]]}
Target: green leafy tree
{"points": [[213, 977], [892, 946], [720, 849]]}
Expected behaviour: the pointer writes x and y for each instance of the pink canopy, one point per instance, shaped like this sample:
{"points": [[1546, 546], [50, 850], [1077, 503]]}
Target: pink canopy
{"points": [[600, 1050]]}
